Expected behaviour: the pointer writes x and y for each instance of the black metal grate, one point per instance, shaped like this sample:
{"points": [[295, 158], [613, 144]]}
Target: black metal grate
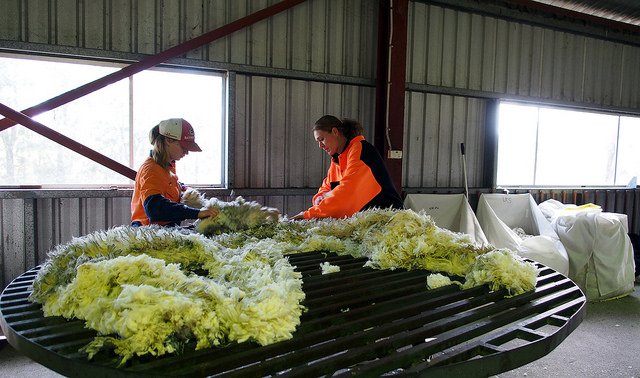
{"points": [[359, 321]]}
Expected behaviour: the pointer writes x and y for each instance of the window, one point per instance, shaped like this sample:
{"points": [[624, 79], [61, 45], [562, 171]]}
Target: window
{"points": [[114, 121], [546, 146]]}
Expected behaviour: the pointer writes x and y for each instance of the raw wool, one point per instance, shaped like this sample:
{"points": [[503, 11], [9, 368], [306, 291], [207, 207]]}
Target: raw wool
{"points": [[502, 268], [171, 245], [293, 233], [115, 281], [260, 292], [437, 280], [235, 216], [193, 198], [411, 240], [392, 239], [327, 268], [150, 305], [323, 243]]}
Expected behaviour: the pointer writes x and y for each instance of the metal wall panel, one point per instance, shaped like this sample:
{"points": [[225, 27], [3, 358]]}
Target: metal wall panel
{"points": [[437, 125], [32, 226], [330, 37], [274, 145], [13, 243], [456, 49]]}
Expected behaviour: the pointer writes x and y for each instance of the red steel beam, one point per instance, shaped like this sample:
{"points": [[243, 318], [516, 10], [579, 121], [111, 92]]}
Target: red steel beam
{"points": [[13, 117], [153, 60], [66, 141], [391, 83]]}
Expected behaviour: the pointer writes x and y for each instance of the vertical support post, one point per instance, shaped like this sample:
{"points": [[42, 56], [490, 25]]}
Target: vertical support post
{"points": [[491, 145], [391, 84]]}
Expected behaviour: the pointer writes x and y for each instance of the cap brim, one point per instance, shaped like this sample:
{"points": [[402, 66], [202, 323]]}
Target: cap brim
{"points": [[191, 146]]}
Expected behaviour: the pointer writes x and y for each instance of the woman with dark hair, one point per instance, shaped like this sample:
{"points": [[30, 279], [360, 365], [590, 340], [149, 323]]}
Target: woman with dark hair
{"points": [[357, 179], [157, 192]]}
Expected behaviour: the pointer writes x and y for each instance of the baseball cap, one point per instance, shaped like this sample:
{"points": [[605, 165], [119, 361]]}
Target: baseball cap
{"points": [[180, 130]]}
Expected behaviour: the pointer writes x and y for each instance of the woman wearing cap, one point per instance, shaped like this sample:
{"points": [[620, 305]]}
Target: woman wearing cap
{"points": [[157, 191], [357, 179]]}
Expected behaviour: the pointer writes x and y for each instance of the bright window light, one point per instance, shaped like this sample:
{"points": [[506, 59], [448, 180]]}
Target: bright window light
{"points": [[628, 162], [520, 141], [114, 121], [198, 98], [545, 146]]}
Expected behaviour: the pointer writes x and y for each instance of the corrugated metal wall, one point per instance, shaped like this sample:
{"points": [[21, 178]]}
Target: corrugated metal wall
{"points": [[32, 224], [436, 126], [316, 58], [457, 62], [330, 37], [274, 145], [455, 49]]}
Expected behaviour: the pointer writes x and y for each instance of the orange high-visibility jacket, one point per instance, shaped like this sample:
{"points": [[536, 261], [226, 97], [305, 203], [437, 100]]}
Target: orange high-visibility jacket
{"points": [[156, 197], [357, 180]]}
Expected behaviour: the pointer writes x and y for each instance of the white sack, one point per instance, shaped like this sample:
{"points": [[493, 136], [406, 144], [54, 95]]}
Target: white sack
{"points": [[600, 251], [500, 214], [449, 211]]}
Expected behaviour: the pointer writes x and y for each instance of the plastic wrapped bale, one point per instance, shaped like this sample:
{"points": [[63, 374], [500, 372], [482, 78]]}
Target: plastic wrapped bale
{"points": [[450, 211], [514, 221], [600, 251]]}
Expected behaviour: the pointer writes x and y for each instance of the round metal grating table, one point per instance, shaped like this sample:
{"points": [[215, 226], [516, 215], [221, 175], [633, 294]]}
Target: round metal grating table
{"points": [[359, 321]]}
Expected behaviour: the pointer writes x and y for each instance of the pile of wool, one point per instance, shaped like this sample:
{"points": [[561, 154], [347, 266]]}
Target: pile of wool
{"points": [[411, 240], [392, 239], [502, 268], [235, 216], [131, 285]]}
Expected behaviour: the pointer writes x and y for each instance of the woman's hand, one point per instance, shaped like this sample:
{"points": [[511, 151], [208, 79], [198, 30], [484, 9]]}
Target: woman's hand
{"points": [[210, 212], [300, 215], [321, 197]]}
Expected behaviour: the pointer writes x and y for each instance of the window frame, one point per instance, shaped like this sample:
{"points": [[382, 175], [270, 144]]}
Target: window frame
{"points": [[599, 111], [186, 68]]}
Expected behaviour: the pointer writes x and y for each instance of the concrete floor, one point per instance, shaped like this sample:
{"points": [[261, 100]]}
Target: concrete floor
{"points": [[605, 344]]}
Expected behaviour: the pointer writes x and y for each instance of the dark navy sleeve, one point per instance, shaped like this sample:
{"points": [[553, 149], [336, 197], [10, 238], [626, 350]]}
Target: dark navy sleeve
{"points": [[160, 209]]}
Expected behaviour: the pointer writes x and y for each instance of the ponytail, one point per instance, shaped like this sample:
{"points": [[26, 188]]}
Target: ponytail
{"points": [[159, 152]]}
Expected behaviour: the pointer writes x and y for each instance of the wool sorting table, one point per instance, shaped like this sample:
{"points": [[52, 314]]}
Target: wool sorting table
{"points": [[360, 321]]}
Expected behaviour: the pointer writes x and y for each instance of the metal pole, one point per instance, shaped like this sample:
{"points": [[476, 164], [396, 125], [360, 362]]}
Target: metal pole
{"points": [[464, 167]]}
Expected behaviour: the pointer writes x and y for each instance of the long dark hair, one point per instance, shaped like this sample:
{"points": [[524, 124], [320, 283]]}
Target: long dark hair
{"points": [[350, 128]]}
